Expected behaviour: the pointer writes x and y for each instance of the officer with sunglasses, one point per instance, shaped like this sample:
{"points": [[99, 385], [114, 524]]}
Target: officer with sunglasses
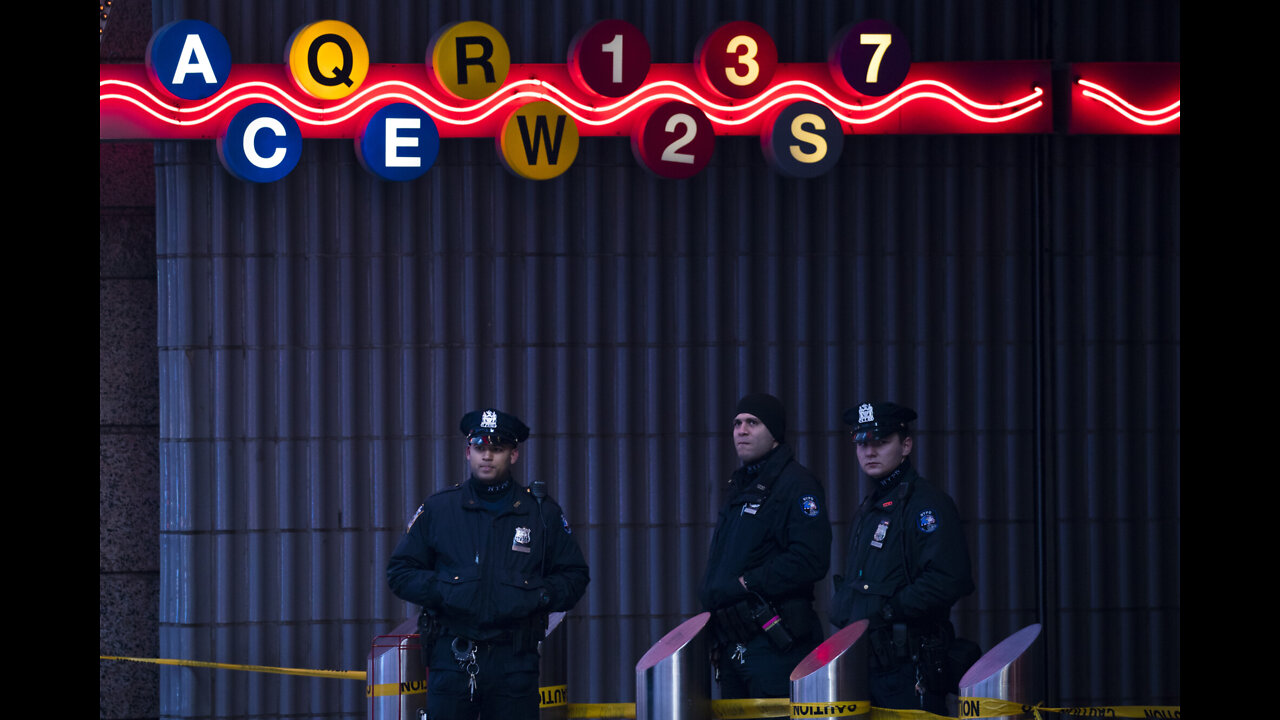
{"points": [[488, 560]]}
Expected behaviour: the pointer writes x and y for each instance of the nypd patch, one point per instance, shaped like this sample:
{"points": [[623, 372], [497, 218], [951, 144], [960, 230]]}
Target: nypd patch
{"points": [[565, 520], [928, 523], [809, 505], [414, 518]]}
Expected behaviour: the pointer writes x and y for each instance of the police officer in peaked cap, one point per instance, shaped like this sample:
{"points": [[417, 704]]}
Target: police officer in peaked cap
{"points": [[488, 560], [905, 566], [772, 543]]}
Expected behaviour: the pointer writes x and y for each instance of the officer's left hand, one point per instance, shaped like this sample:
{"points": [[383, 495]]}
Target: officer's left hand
{"points": [[889, 613]]}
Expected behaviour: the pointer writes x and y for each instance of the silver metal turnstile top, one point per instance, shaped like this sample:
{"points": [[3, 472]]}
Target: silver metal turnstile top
{"points": [[673, 679], [553, 672], [1009, 671], [832, 680], [396, 676]]}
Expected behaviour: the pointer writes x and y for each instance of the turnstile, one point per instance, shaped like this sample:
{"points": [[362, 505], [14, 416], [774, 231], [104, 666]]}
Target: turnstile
{"points": [[553, 672], [673, 679], [397, 680], [831, 681], [1010, 671]]}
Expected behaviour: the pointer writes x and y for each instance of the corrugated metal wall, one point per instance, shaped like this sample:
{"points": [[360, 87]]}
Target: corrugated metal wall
{"points": [[319, 338]]}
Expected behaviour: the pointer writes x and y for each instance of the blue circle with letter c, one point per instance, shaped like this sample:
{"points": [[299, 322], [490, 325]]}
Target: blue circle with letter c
{"points": [[262, 143]]}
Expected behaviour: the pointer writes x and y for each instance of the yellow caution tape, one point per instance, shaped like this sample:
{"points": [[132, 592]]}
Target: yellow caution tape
{"points": [[1119, 711], [338, 674], [553, 696], [739, 709], [744, 708], [748, 709], [990, 707], [413, 687], [613, 711], [900, 714], [830, 709]]}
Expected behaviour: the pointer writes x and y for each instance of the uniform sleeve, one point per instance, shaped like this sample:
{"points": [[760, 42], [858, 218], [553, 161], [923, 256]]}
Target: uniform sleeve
{"points": [[806, 540], [940, 566], [411, 570], [567, 574]]}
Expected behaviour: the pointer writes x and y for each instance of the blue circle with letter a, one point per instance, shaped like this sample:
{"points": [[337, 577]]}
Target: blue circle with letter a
{"points": [[400, 142], [188, 59], [262, 143]]}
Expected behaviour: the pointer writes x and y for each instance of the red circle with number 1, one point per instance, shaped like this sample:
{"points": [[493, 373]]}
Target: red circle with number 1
{"points": [[610, 58], [736, 60], [675, 141]]}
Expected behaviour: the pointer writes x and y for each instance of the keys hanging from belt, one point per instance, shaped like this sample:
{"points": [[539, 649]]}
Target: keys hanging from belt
{"points": [[739, 654], [466, 659]]}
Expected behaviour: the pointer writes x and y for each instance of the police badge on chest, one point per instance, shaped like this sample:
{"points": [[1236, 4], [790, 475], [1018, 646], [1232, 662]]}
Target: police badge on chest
{"points": [[520, 543], [877, 540]]}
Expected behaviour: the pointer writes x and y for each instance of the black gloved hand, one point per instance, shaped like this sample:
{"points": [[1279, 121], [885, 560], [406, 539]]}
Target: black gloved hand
{"points": [[890, 613]]}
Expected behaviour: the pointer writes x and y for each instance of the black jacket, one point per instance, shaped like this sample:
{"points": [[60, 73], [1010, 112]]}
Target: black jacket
{"points": [[919, 565], [481, 573], [773, 531]]}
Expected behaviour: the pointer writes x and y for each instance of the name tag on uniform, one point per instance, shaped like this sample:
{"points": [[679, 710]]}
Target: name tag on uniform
{"points": [[877, 540], [520, 543], [750, 508]]}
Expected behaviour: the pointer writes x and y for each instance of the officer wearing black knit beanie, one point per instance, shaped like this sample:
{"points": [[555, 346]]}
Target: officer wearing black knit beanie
{"points": [[772, 544]]}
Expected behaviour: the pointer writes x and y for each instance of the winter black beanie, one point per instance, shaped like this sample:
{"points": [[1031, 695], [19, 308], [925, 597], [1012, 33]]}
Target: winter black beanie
{"points": [[769, 409]]}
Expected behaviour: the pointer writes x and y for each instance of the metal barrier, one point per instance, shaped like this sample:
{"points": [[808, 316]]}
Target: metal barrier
{"points": [[397, 679], [1009, 671], [553, 672], [673, 679], [833, 676]]}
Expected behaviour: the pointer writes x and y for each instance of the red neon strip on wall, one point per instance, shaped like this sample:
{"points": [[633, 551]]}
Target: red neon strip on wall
{"points": [[1124, 98], [1097, 92], [934, 98]]}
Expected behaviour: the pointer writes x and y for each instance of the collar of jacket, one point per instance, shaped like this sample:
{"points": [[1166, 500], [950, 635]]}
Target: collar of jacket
{"points": [[517, 499], [898, 492], [755, 488]]}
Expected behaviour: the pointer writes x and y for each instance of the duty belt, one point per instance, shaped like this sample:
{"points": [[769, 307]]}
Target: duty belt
{"points": [[898, 643], [523, 638]]}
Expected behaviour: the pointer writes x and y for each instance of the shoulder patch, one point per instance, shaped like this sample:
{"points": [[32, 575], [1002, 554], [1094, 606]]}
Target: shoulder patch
{"points": [[809, 505], [928, 522], [565, 520], [415, 517]]}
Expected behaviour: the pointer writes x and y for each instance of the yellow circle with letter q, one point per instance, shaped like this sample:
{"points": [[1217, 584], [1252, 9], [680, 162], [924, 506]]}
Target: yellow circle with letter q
{"points": [[469, 59], [327, 59], [538, 141]]}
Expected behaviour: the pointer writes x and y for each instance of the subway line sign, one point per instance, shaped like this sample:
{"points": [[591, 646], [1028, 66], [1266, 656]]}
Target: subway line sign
{"points": [[467, 86]]}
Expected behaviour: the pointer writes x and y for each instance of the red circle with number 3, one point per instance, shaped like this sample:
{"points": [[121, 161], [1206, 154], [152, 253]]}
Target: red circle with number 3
{"points": [[675, 141], [737, 60]]}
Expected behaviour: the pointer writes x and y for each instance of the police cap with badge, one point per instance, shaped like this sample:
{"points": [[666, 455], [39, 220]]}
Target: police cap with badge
{"points": [[876, 420], [493, 427]]}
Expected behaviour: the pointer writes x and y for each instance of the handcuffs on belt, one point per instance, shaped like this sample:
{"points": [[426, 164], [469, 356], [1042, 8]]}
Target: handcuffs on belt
{"points": [[466, 658]]}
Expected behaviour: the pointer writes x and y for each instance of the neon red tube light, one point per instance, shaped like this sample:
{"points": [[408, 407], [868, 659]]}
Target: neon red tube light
{"points": [[1001, 97]]}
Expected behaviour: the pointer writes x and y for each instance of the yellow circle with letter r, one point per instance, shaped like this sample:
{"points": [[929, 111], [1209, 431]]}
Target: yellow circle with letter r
{"points": [[327, 59], [469, 59], [538, 141]]}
